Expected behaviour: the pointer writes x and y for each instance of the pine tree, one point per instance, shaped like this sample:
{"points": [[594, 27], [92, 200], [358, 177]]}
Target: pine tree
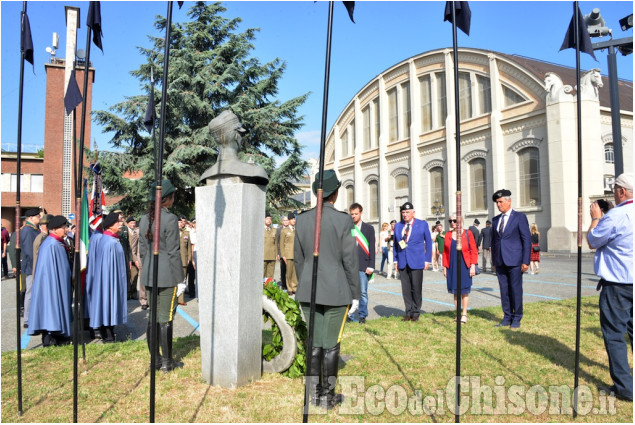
{"points": [[210, 70]]}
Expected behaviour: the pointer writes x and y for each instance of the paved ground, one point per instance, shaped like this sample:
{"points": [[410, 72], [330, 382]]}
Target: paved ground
{"points": [[556, 280]]}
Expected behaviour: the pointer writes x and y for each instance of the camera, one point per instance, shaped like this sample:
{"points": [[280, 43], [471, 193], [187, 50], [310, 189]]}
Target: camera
{"points": [[604, 205]]}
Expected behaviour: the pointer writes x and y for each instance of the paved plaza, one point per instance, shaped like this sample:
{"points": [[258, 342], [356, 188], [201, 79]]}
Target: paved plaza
{"points": [[556, 280]]}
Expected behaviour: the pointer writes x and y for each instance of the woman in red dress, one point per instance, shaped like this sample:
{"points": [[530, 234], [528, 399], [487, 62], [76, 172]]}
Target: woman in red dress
{"points": [[534, 257]]}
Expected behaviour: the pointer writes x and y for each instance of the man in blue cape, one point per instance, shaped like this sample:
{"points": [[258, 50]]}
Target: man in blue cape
{"points": [[107, 281], [50, 312]]}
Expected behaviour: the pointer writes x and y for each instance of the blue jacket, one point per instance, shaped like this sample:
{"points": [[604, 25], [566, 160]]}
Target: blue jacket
{"points": [[27, 235], [514, 248], [419, 249]]}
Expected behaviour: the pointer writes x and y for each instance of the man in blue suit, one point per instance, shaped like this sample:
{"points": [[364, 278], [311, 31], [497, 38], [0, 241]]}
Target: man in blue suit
{"points": [[511, 247], [412, 255]]}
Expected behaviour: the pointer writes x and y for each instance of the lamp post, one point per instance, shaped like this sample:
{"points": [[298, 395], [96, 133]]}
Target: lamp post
{"points": [[437, 208], [596, 26]]}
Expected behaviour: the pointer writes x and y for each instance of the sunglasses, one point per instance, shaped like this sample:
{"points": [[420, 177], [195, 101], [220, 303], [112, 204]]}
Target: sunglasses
{"points": [[452, 221]]}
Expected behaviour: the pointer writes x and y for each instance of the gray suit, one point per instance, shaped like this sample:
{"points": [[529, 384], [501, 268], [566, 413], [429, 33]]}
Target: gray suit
{"points": [[338, 274], [170, 267]]}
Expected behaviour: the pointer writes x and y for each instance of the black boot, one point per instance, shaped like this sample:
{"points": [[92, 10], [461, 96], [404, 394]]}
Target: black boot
{"points": [[315, 377], [330, 366], [157, 358], [175, 364]]}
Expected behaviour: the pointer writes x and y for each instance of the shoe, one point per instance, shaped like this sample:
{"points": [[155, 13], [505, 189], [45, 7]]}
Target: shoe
{"points": [[537, 271], [515, 326], [330, 365], [25, 326], [362, 321], [502, 325], [182, 303], [167, 362], [414, 319], [406, 318], [610, 390], [464, 318]]}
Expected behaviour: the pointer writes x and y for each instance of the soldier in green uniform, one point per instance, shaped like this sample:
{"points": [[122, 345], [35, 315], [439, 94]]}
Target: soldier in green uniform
{"points": [[271, 249], [287, 237], [124, 240], [338, 287], [186, 250], [170, 270]]}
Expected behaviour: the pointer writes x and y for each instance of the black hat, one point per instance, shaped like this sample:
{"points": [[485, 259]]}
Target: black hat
{"points": [[393, 221], [182, 217], [488, 222], [267, 215], [476, 222], [407, 206], [31, 212], [330, 183], [46, 219], [437, 223], [57, 222], [109, 220], [166, 188], [291, 216], [500, 194], [131, 218]]}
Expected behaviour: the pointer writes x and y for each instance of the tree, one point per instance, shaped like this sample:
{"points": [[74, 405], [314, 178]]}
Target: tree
{"points": [[210, 70]]}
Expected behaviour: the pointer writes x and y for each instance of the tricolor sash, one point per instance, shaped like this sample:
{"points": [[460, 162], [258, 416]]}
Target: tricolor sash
{"points": [[360, 238]]}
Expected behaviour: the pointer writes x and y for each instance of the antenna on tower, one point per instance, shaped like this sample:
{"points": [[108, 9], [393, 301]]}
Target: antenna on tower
{"points": [[52, 50]]}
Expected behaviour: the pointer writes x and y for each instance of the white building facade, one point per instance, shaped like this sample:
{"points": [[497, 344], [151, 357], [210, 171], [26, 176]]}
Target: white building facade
{"points": [[394, 141]]}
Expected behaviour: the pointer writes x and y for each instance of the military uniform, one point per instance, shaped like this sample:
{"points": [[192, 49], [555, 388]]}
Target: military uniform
{"points": [[336, 287], [287, 236], [186, 255], [124, 240], [270, 252]]}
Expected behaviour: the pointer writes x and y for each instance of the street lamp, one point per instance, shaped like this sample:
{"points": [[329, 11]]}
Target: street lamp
{"points": [[596, 26], [437, 208]]}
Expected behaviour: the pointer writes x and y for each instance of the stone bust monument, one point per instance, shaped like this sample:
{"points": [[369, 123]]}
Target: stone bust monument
{"points": [[228, 131]]}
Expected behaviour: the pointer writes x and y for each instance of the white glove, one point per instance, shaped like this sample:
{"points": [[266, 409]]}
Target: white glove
{"points": [[354, 307], [181, 288]]}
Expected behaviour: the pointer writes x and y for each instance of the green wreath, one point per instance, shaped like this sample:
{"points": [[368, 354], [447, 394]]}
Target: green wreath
{"points": [[291, 310]]}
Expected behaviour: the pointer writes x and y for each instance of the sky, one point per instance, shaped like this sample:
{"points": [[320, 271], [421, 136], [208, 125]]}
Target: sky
{"points": [[384, 34]]}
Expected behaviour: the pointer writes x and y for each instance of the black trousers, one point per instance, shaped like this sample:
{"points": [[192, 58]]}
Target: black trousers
{"points": [[411, 289], [191, 274]]}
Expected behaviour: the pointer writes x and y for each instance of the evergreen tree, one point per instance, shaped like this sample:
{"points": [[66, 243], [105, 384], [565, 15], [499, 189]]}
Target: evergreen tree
{"points": [[210, 70]]}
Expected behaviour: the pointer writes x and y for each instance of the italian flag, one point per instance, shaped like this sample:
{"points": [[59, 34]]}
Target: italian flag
{"points": [[83, 236], [360, 238]]}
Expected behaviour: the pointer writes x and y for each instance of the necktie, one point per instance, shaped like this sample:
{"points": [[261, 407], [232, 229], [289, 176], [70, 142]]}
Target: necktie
{"points": [[501, 227], [405, 234]]}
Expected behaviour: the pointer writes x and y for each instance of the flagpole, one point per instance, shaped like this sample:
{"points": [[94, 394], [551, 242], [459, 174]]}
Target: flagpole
{"points": [[75, 279], [459, 223], [579, 266], [157, 209], [18, 250]]}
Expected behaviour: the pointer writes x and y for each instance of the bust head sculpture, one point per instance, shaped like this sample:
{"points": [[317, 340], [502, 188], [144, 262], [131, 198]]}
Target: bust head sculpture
{"points": [[228, 133]]}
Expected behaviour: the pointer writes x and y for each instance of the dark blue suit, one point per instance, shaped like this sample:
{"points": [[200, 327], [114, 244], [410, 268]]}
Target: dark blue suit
{"points": [[509, 253], [411, 262]]}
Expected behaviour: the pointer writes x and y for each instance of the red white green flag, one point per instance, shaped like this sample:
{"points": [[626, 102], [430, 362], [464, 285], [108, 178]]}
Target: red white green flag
{"points": [[84, 236]]}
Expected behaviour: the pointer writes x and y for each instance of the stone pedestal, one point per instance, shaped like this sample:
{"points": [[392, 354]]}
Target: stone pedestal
{"points": [[230, 254]]}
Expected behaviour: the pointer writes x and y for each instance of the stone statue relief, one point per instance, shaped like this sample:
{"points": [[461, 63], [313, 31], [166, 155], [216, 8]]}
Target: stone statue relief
{"points": [[556, 90], [589, 83], [228, 133]]}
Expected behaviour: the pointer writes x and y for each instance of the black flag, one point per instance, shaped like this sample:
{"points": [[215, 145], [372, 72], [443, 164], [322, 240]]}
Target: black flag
{"points": [[73, 96], [94, 22], [583, 35], [180, 3], [463, 15], [151, 115], [26, 42], [350, 7]]}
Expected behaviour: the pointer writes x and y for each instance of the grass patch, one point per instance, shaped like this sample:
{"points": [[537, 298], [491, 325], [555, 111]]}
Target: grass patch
{"points": [[388, 360]]}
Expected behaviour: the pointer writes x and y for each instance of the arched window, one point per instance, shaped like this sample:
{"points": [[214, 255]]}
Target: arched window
{"points": [[345, 144], [510, 97], [478, 185], [350, 195], [465, 95], [529, 176], [609, 155], [393, 116], [436, 186], [401, 182], [366, 127], [373, 200]]}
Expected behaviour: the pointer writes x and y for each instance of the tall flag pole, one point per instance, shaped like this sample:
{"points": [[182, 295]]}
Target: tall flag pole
{"points": [[578, 37], [350, 7], [26, 53], [458, 12], [157, 206]]}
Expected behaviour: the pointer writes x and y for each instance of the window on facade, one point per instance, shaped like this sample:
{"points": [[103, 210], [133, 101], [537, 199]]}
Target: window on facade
{"points": [[373, 200], [442, 107], [436, 187], [426, 103], [529, 173], [366, 127], [401, 182], [465, 95], [351, 136], [393, 116], [478, 185], [609, 155], [350, 195], [405, 101], [376, 136], [37, 183], [345, 144], [510, 97], [484, 95], [332, 156], [14, 182]]}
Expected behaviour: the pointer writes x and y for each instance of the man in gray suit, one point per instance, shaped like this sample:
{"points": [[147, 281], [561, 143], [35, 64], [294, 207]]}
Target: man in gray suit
{"points": [[170, 270], [337, 287]]}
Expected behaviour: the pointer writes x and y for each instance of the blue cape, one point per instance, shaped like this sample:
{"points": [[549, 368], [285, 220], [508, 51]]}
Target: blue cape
{"points": [[107, 284], [93, 243], [51, 298]]}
